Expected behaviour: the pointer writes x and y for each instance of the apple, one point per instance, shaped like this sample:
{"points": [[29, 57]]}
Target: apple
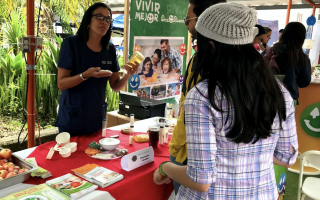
{"points": [[12, 169], [2, 161], [1, 167], [16, 167], [3, 174], [7, 165], [6, 153], [21, 171], [10, 174]]}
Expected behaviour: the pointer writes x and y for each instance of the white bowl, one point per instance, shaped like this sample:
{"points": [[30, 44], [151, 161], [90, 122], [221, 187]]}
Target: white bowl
{"points": [[109, 143], [65, 153], [72, 146], [63, 138]]}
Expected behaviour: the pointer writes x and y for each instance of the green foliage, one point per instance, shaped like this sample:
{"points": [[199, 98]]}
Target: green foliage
{"points": [[112, 99], [13, 30], [13, 74]]}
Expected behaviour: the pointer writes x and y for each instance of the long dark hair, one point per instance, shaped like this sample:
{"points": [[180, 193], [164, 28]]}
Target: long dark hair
{"points": [[242, 76], [83, 31], [145, 61], [293, 37], [158, 52]]}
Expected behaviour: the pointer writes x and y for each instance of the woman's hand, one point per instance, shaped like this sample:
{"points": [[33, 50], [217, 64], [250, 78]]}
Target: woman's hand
{"points": [[158, 179], [131, 68], [96, 73]]}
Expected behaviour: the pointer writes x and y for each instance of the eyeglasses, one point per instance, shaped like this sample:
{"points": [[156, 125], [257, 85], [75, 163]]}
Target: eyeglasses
{"points": [[101, 18], [186, 20]]}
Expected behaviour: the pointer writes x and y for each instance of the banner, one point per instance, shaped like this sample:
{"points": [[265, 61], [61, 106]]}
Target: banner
{"points": [[157, 30], [274, 26]]}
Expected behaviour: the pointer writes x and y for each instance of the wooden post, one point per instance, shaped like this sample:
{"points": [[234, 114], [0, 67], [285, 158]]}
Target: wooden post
{"points": [[126, 34], [31, 75], [314, 10], [288, 11], [189, 48]]}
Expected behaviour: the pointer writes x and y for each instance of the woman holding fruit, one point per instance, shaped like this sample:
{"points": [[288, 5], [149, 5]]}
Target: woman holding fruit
{"points": [[87, 61]]}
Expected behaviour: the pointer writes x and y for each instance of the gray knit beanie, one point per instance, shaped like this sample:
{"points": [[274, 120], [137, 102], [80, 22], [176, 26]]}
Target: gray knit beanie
{"points": [[228, 23]]}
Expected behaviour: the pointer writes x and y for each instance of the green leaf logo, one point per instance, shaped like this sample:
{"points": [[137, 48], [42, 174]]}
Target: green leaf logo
{"points": [[310, 120]]}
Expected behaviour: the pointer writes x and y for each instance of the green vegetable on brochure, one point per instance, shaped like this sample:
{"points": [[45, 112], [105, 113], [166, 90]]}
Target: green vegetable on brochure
{"points": [[95, 145]]}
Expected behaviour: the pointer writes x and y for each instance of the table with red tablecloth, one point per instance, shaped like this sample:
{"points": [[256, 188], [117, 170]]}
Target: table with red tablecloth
{"points": [[137, 184]]}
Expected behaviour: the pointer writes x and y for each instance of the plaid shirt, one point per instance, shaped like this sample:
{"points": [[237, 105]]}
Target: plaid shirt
{"points": [[175, 57], [235, 171]]}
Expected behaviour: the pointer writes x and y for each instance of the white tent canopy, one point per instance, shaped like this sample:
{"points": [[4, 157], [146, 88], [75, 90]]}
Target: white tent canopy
{"points": [[118, 5]]}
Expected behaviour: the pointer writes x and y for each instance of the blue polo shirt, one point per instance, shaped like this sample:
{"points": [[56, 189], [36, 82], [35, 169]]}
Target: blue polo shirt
{"points": [[80, 107]]}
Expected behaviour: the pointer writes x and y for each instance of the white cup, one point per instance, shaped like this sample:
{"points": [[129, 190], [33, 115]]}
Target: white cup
{"points": [[63, 138], [72, 146], [65, 153]]}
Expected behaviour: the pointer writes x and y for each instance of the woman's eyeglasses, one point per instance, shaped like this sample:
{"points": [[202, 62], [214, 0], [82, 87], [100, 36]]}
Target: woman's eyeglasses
{"points": [[186, 20], [101, 18]]}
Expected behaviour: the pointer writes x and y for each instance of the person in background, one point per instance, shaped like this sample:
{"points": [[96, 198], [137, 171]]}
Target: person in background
{"points": [[257, 42], [147, 70], [170, 91], [172, 53], [177, 92], [177, 144], [156, 58], [166, 66], [266, 37], [280, 33], [236, 130], [80, 77], [291, 60]]}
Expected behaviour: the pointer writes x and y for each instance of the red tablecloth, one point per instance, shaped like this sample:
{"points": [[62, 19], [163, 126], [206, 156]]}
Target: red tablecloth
{"points": [[137, 184]]}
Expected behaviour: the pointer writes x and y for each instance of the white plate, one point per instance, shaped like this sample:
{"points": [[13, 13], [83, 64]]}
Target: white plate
{"points": [[166, 120], [112, 152]]}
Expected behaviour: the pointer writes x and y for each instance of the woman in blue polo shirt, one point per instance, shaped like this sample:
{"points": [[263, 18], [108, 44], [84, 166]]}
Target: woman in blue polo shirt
{"points": [[80, 77]]}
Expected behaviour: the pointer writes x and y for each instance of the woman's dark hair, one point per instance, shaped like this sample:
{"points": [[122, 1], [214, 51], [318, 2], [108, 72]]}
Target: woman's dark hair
{"points": [[83, 31], [202, 5], [267, 29], [146, 60], [252, 93], [293, 37], [261, 30], [158, 52], [169, 61]]}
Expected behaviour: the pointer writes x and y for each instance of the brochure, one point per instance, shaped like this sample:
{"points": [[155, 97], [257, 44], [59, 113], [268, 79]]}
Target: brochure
{"points": [[71, 186], [39, 192]]}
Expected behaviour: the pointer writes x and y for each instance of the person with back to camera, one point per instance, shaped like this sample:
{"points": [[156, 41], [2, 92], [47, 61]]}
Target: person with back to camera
{"points": [[239, 119], [291, 60], [81, 78], [177, 144], [147, 70]]}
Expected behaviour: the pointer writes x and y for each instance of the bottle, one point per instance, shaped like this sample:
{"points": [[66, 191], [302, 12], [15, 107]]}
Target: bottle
{"points": [[166, 133], [136, 57], [131, 120], [132, 128], [104, 120], [161, 134]]}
